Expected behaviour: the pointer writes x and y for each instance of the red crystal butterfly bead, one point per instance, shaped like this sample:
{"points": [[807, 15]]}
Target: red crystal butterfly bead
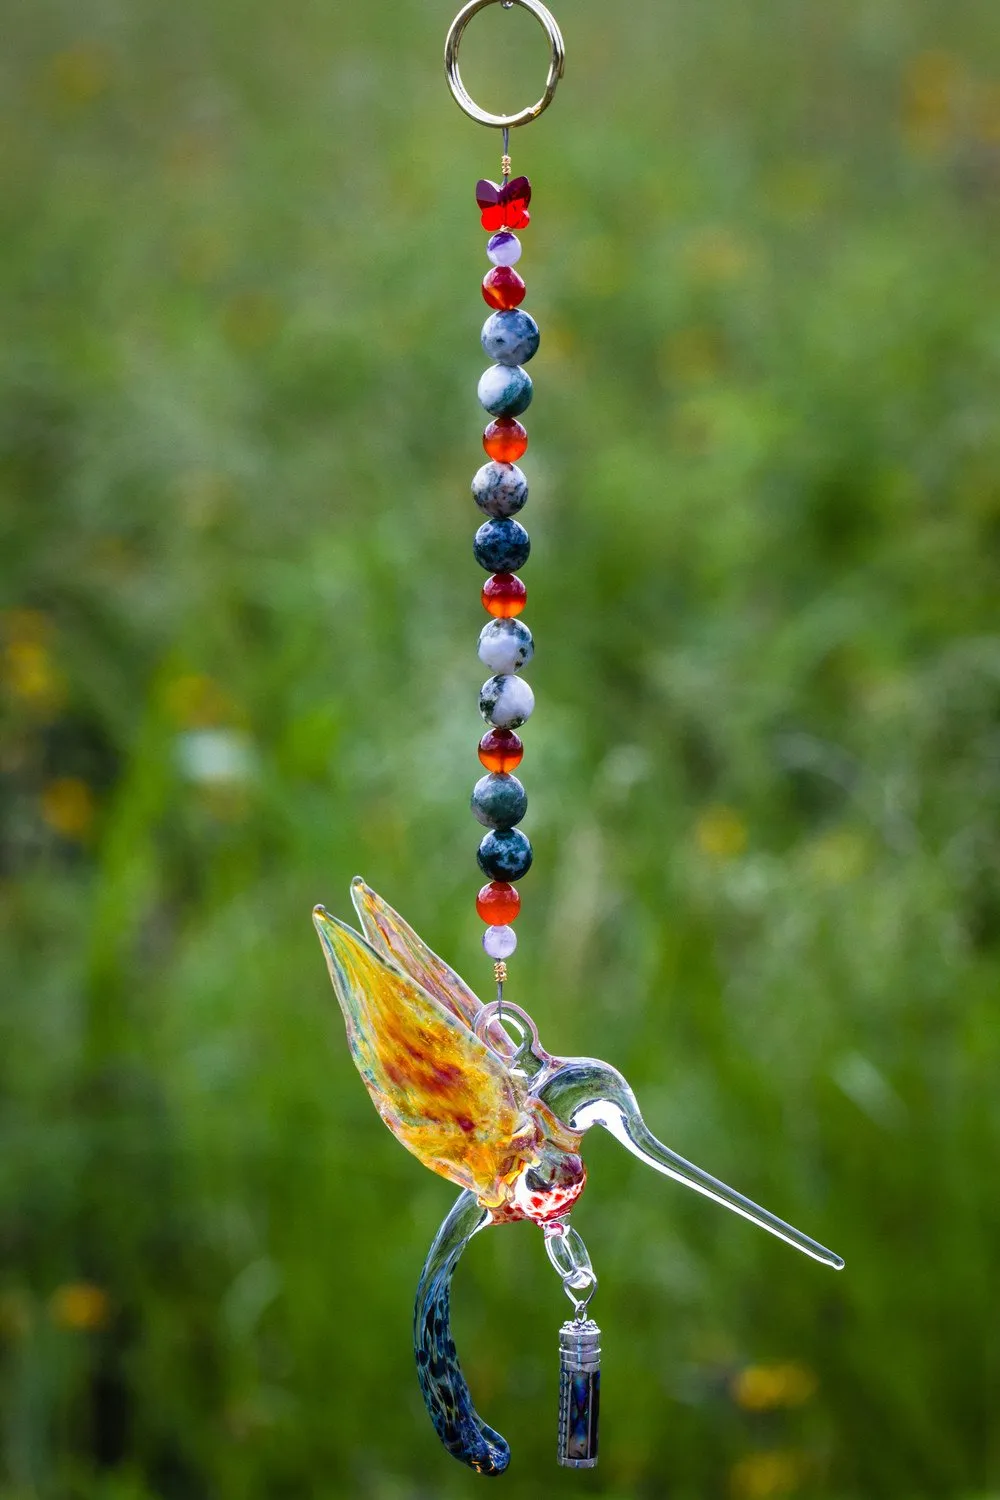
{"points": [[504, 205]]}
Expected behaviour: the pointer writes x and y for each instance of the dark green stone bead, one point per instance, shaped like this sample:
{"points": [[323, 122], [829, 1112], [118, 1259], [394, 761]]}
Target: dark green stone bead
{"points": [[505, 854], [499, 801]]}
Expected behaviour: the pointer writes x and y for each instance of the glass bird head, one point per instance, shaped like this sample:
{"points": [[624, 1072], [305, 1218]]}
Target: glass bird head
{"points": [[495, 1114]]}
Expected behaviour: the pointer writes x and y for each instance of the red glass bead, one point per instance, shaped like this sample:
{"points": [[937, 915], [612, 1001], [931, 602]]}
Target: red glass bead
{"points": [[505, 440], [503, 288], [498, 903], [501, 751], [504, 596]]}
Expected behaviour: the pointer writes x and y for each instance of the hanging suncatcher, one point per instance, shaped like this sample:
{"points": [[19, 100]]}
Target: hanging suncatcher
{"points": [[466, 1086]]}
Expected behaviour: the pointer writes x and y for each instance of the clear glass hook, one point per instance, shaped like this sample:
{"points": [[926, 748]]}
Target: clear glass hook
{"points": [[571, 1261]]}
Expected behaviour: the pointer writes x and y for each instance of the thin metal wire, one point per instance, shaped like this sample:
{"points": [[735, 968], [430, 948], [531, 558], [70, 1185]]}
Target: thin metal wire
{"points": [[557, 61]]}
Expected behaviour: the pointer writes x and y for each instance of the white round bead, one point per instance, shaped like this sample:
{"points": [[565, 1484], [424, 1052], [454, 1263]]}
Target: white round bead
{"points": [[506, 701], [499, 942], [505, 645], [500, 490]]}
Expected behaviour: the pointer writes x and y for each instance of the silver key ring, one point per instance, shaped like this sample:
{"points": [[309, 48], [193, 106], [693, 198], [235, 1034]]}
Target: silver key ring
{"points": [[557, 60]]}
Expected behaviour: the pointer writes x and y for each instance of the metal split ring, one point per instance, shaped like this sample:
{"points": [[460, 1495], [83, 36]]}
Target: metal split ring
{"points": [[557, 60], [580, 1303]]}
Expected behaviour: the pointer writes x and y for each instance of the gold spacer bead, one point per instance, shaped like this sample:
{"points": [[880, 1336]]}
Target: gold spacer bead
{"points": [[500, 971], [505, 166]]}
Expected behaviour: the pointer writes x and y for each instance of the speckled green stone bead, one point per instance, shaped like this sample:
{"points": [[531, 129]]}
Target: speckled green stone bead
{"points": [[501, 546], [499, 801]]}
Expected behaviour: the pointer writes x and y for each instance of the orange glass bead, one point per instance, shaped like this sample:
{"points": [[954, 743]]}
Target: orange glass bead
{"points": [[498, 903], [504, 596], [505, 440], [501, 750], [503, 288]]}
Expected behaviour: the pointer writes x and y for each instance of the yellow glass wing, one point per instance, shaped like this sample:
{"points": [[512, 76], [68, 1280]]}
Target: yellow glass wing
{"points": [[441, 1092], [396, 940]]}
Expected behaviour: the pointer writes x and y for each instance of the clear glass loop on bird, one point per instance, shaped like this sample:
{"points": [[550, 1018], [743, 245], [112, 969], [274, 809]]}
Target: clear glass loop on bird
{"points": [[557, 60]]}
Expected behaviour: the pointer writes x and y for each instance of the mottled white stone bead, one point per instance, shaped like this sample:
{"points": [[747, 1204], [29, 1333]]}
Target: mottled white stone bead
{"points": [[503, 248], [505, 645], [506, 701], [510, 337], [505, 390], [500, 490]]}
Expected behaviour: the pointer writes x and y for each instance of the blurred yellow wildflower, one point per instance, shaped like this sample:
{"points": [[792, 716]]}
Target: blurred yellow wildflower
{"points": [[29, 671], [716, 255], [691, 354], [721, 833], [251, 320], [932, 82], [768, 1387], [761, 1475], [79, 75], [80, 1306], [838, 856], [68, 807], [798, 189], [196, 701]]}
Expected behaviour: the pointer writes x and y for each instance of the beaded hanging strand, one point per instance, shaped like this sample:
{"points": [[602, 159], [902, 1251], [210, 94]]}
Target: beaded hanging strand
{"points": [[510, 338]]}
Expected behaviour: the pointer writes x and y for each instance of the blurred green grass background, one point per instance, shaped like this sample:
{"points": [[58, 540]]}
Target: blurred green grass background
{"points": [[240, 264]]}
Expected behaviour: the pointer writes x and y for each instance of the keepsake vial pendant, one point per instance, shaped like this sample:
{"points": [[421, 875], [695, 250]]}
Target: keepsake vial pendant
{"points": [[579, 1393]]}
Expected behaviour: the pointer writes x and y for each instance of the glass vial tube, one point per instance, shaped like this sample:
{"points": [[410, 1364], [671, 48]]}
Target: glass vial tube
{"points": [[579, 1393]]}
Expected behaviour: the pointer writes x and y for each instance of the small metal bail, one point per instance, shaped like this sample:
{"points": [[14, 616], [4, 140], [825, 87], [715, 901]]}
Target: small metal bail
{"points": [[579, 1393]]}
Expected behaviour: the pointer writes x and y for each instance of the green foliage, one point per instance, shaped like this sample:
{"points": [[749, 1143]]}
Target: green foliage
{"points": [[240, 261]]}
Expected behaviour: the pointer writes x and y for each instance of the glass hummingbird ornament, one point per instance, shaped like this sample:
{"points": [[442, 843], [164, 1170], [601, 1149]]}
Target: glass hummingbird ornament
{"points": [[505, 1122]]}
